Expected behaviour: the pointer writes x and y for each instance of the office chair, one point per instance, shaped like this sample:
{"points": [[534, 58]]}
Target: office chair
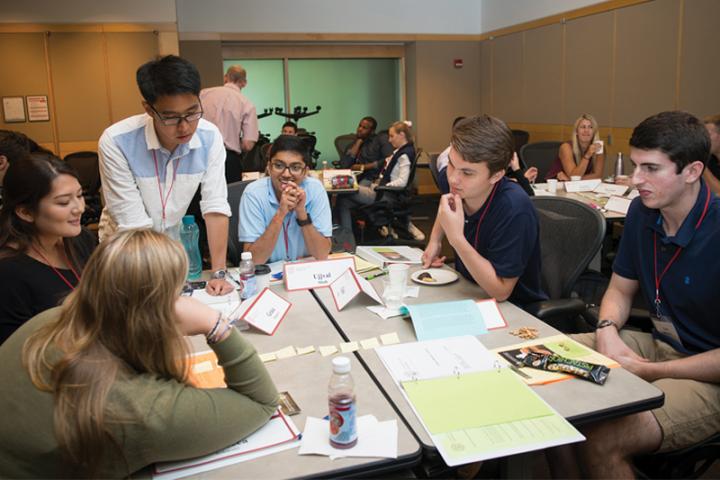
{"points": [[571, 233], [86, 165], [521, 137], [434, 169], [541, 155], [235, 248], [390, 209], [690, 462], [342, 142]]}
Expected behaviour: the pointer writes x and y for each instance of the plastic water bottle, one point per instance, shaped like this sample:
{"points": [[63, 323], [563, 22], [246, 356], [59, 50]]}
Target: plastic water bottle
{"points": [[189, 235], [619, 165], [247, 275], [341, 399]]}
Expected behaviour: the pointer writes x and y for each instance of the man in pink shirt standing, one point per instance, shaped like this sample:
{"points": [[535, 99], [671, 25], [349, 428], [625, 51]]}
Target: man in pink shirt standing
{"points": [[235, 117]]}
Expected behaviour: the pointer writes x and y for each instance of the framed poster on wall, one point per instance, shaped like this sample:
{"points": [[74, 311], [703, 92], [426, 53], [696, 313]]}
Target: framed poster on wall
{"points": [[38, 109], [13, 110]]}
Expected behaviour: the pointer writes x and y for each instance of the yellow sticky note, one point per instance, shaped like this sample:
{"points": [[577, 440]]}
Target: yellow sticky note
{"points": [[305, 350], [369, 343], [202, 367], [348, 347], [286, 352], [268, 357], [390, 338], [328, 350]]}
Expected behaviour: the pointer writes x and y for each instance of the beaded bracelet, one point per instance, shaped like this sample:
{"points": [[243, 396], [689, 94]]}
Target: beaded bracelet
{"points": [[230, 324]]}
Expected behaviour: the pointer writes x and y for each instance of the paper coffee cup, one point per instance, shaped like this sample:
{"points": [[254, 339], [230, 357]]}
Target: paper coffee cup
{"points": [[575, 178], [600, 149], [552, 185]]}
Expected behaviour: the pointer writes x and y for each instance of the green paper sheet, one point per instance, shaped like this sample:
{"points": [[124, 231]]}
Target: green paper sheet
{"points": [[568, 348], [473, 400]]}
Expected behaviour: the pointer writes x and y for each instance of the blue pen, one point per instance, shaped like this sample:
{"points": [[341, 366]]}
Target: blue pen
{"points": [[277, 276]]}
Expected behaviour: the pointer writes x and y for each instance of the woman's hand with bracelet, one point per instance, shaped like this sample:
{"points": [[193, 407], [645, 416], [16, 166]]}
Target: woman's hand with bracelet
{"points": [[194, 317]]}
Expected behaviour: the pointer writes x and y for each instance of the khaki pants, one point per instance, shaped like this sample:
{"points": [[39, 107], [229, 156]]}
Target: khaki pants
{"points": [[691, 412]]}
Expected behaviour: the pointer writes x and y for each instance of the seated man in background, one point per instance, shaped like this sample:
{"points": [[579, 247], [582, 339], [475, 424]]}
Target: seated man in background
{"points": [[289, 128], [668, 250], [286, 215], [489, 221], [151, 164], [712, 169], [367, 152]]}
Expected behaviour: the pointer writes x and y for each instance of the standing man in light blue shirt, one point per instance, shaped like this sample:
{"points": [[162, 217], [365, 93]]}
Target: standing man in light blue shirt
{"points": [[286, 215]]}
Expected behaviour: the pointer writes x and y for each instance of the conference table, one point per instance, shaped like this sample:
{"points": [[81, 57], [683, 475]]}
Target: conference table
{"points": [[306, 378], [579, 401]]}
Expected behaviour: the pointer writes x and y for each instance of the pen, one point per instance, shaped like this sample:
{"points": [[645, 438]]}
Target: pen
{"points": [[277, 276], [371, 277]]}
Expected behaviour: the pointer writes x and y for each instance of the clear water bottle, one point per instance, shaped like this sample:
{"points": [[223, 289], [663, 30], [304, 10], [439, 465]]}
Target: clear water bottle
{"points": [[247, 275], [341, 399], [189, 235], [619, 165]]}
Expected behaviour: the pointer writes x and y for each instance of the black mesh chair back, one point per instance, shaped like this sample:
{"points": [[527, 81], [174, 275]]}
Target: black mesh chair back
{"points": [[521, 137], [86, 165], [342, 142], [235, 248], [434, 169], [540, 155], [571, 234]]}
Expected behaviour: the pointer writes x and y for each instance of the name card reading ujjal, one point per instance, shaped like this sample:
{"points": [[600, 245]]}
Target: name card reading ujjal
{"points": [[348, 285], [315, 273], [267, 311]]}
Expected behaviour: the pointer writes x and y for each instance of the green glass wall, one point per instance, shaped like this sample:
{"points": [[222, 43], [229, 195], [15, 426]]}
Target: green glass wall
{"points": [[346, 89]]}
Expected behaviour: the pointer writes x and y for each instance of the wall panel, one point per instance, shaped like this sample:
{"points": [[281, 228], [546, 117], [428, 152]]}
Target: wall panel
{"points": [[588, 67], [542, 75], [508, 100], [126, 52], [646, 65], [699, 68], [486, 53], [77, 63]]}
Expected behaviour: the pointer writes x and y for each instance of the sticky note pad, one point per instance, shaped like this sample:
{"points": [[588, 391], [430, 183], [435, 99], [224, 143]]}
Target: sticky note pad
{"points": [[348, 347], [369, 343], [202, 367], [286, 352], [268, 357], [389, 338], [305, 350], [328, 350]]}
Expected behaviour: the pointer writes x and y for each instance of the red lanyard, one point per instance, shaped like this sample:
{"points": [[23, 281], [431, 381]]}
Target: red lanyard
{"points": [[164, 198], [285, 226], [482, 217], [57, 272], [673, 258]]}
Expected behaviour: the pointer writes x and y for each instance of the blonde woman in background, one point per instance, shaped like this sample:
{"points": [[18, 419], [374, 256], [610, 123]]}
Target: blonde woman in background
{"points": [[580, 156], [99, 386]]}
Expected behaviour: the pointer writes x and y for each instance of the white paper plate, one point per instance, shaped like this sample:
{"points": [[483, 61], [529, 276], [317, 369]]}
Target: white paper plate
{"points": [[441, 276]]}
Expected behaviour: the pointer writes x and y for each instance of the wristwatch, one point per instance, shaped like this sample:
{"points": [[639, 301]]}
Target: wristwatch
{"points": [[606, 323], [219, 274], [302, 223]]}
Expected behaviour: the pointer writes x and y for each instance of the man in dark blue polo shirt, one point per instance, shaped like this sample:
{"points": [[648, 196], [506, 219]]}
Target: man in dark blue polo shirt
{"points": [[668, 250], [488, 220]]}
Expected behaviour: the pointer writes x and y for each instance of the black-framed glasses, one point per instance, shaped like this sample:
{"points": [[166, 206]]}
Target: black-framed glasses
{"points": [[295, 168], [175, 120]]}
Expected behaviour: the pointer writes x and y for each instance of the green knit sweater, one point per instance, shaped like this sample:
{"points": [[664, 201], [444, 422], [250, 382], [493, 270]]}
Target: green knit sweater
{"points": [[162, 419]]}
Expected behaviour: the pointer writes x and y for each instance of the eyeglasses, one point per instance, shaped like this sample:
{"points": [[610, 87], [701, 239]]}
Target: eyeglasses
{"points": [[172, 121], [295, 168]]}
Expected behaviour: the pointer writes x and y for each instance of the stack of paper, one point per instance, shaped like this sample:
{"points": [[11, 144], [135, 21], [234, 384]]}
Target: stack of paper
{"points": [[375, 439], [381, 256], [279, 434], [472, 407]]}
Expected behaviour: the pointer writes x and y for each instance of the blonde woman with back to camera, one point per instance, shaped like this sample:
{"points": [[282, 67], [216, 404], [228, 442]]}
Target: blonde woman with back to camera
{"points": [[582, 156], [99, 386]]}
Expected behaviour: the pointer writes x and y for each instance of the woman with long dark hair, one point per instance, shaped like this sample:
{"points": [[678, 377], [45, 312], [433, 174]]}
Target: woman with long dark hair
{"points": [[42, 245]]}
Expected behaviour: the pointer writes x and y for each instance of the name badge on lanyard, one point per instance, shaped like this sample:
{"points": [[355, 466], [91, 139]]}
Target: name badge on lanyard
{"points": [[664, 325]]}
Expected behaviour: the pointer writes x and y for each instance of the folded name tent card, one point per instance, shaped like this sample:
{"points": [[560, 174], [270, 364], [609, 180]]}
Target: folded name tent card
{"points": [[609, 189], [348, 285], [582, 185], [267, 311], [315, 273], [618, 204]]}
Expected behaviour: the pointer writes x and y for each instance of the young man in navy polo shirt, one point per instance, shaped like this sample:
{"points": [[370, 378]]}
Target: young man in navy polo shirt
{"points": [[488, 220], [668, 250]]}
